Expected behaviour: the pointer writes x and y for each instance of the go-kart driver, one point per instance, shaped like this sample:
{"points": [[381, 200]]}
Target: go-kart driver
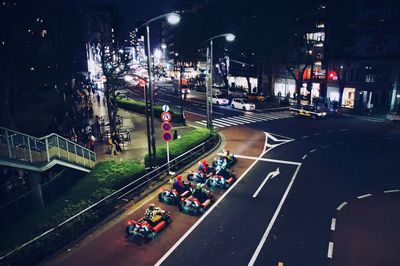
{"points": [[153, 213], [204, 167], [179, 185], [199, 193]]}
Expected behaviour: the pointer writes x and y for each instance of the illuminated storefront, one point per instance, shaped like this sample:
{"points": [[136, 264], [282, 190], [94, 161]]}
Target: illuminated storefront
{"points": [[348, 97]]}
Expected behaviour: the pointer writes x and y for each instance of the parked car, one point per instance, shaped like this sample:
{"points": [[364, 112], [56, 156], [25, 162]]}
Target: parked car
{"points": [[243, 104], [219, 90], [237, 92], [219, 100], [255, 97]]}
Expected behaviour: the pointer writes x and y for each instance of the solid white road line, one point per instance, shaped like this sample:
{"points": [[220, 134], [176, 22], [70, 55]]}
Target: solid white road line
{"points": [[271, 223], [391, 191], [341, 206], [194, 113], [364, 196], [314, 150], [305, 156], [191, 229], [267, 160], [330, 250], [164, 101], [333, 224]]}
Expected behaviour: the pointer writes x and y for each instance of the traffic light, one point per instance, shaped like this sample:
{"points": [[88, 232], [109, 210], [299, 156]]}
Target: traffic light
{"points": [[332, 75]]}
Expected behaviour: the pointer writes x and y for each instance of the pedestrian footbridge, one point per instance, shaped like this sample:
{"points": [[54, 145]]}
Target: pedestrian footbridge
{"points": [[39, 154]]}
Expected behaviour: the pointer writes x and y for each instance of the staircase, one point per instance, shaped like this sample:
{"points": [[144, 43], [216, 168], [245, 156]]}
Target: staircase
{"points": [[39, 154]]}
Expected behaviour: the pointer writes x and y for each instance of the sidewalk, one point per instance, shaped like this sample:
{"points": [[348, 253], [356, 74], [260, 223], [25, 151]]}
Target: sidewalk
{"points": [[135, 124]]}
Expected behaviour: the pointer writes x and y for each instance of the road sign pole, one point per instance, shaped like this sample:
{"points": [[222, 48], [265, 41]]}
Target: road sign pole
{"points": [[168, 157]]}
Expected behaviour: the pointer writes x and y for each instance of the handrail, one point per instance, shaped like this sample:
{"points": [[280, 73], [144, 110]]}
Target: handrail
{"points": [[122, 192], [18, 146]]}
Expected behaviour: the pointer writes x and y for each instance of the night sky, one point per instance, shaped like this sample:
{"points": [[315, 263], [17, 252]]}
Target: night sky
{"points": [[133, 10]]}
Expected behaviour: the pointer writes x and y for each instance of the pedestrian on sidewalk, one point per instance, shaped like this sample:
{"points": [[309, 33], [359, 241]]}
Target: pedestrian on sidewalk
{"points": [[112, 146], [98, 98]]}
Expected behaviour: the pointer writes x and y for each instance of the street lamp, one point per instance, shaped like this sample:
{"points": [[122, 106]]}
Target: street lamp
{"points": [[230, 38], [173, 19]]}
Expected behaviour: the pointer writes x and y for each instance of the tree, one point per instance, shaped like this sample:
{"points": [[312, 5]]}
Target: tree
{"points": [[114, 64]]}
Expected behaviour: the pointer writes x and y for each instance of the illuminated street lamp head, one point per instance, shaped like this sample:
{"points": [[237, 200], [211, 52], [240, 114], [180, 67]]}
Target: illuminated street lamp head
{"points": [[230, 37], [173, 18], [163, 46]]}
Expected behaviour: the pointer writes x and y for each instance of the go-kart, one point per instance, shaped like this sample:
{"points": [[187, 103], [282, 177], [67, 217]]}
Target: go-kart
{"points": [[198, 176], [220, 181], [172, 196], [194, 206], [143, 231], [230, 161]]}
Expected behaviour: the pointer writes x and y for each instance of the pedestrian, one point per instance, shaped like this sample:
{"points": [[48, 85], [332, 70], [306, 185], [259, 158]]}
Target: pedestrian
{"points": [[98, 98], [112, 146], [175, 134]]}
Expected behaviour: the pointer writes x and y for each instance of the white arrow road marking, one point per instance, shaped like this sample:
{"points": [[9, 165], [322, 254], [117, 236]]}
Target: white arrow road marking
{"points": [[270, 175]]}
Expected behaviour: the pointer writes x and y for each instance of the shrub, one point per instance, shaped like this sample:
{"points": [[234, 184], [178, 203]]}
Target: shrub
{"points": [[139, 107], [182, 145]]}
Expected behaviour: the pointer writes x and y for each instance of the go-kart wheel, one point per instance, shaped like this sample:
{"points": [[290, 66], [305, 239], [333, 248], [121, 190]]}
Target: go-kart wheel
{"points": [[160, 197], [180, 207]]}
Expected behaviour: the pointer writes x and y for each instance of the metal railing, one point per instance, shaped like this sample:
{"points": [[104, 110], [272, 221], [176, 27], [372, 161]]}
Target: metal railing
{"points": [[40, 151], [132, 189]]}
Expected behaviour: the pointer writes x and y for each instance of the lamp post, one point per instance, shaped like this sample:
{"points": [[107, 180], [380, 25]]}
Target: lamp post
{"points": [[230, 38], [173, 19]]}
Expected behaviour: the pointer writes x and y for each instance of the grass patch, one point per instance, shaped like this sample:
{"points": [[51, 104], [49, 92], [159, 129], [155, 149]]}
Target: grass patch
{"points": [[104, 179], [182, 145]]}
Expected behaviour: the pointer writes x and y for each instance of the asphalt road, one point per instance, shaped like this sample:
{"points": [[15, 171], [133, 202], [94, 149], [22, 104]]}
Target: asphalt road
{"points": [[287, 218], [340, 159]]}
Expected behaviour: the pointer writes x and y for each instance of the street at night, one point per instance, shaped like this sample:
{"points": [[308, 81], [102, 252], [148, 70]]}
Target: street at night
{"points": [[200, 133]]}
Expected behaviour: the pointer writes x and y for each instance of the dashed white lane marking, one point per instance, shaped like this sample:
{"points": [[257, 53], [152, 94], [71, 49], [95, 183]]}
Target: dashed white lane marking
{"points": [[305, 156], [333, 224], [316, 134], [341, 206], [330, 250], [344, 129], [391, 191], [364, 196], [314, 150], [326, 146], [304, 137]]}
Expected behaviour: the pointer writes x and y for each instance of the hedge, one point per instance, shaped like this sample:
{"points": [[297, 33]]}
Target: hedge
{"points": [[181, 145], [104, 179], [139, 107]]}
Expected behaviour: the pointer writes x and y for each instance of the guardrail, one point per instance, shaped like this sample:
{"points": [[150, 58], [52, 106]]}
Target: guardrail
{"points": [[40, 151], [129, 191]]}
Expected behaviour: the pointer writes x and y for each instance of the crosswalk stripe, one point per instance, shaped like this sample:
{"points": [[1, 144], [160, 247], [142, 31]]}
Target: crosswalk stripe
{"points": [[203, 122], [240, 120], [217, 124], [226, 121]]}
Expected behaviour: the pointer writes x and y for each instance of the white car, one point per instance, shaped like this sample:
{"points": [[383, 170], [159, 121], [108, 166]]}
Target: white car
{"points": [[219, 100], [244, 104]]}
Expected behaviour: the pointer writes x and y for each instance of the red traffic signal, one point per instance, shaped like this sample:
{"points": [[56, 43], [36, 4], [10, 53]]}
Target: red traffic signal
{"points": [[332, 75]]}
